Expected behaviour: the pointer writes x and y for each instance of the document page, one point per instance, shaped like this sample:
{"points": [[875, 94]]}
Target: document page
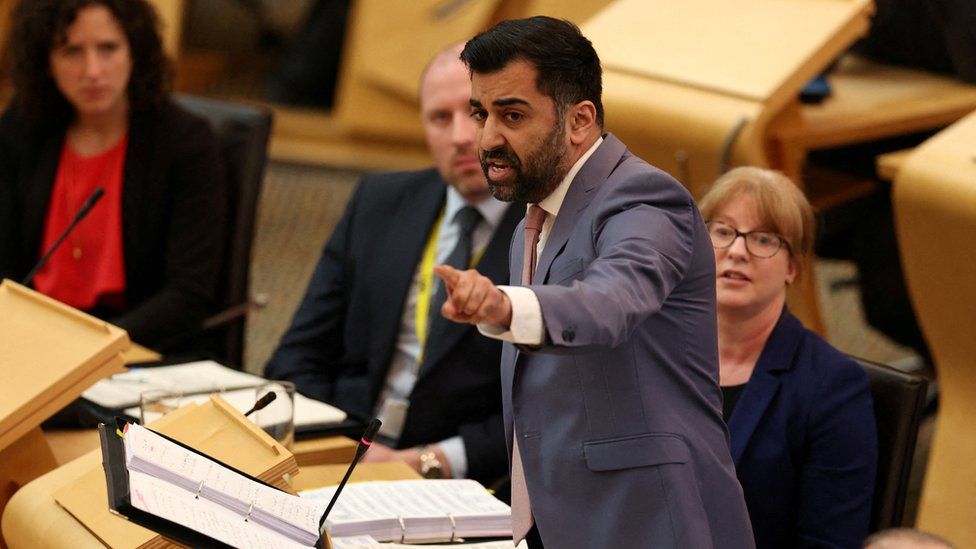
{"points": [[414, 498], [148, 453], [368, 542], [307, 411], [206, 376], [164, 500], [415, 510]]}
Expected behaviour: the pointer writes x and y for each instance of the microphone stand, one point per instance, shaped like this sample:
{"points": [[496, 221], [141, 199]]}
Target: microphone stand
{"points": [[364, 444], [85, 208]]}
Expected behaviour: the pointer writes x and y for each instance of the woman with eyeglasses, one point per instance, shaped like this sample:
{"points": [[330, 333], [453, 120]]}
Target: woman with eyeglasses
{"points": [[799, 411]]}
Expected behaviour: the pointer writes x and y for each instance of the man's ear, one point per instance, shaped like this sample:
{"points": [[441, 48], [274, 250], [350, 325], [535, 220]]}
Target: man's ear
{"points": [[582, 120]]}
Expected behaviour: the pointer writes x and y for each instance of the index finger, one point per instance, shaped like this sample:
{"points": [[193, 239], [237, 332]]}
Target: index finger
{"points": [[449, 274]]}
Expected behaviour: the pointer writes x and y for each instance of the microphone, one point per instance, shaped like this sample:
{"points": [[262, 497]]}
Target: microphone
{"points": [[85, 208], [364, 444], [262, 403]]}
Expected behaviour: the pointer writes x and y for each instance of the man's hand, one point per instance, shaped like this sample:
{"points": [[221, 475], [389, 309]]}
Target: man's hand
{"points": [[411, 456], [473, 298]]}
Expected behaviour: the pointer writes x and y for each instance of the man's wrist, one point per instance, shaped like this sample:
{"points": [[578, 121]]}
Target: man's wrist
{"points": [[431, 465], [507, 321]]}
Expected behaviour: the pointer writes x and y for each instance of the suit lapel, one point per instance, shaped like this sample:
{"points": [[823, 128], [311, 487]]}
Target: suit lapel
{"points": [[777, 356], [594, 172], [444, 334], [136, 178], [397, 258]]}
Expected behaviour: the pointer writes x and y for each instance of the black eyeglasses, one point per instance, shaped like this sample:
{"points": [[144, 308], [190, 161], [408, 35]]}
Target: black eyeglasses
{"points": [[762, 244]]}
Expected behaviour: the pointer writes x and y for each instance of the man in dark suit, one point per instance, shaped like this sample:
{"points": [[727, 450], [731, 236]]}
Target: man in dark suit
{"points": [[610, 391], [364, 337]]}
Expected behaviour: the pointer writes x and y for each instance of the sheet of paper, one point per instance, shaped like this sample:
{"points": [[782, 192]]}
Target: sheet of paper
{"points": [[409, 498], [207, 376], [307, 411], [195, 473], [367, 542], [162, 499]]}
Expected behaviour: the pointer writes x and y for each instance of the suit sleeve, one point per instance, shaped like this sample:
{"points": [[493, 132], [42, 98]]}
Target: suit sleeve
{"points": [[836, 484], [308, 354], [643, 242], [194, 243]]}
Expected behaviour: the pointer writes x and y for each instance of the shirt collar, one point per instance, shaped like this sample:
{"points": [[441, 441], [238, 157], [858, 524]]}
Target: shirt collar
{"points": [[554, 201], [491, 210]]}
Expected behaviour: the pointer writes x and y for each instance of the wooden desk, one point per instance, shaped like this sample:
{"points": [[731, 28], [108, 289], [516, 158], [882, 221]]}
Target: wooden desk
{"points": [[68, 444], [868, 101], [887, 165], [318, 476]]}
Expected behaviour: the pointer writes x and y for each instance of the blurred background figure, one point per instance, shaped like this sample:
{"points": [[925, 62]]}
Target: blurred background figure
{"points": [[92, 109], [799, 411]]}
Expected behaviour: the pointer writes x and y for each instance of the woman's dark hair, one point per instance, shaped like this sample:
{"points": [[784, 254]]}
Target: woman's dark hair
{"points": [[39, 26], [569, 68]]}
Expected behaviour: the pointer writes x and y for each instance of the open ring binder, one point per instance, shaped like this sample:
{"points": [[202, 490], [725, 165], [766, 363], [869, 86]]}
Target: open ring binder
{"points": [[148, 484]]}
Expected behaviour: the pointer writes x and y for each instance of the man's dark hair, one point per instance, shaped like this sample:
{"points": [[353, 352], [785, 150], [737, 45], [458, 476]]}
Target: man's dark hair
{"points": [[569, 68], [39, 26]]}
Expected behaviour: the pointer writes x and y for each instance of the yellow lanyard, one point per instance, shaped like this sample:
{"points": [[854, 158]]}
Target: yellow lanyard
{"points": [[425, 286]]}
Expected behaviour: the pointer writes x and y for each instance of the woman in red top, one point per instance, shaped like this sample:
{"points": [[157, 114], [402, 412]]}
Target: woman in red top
{"points": [[92, 109]]}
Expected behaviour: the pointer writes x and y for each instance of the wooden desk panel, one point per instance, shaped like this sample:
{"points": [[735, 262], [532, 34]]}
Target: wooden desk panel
{"points": [[871, 100], [868, 101]]}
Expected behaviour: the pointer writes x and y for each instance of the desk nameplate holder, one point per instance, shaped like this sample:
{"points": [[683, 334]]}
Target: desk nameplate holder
{"points": [[49, 353]]}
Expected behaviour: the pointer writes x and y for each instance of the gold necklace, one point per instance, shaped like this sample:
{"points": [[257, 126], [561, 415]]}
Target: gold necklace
{"points": [[68, 188]]}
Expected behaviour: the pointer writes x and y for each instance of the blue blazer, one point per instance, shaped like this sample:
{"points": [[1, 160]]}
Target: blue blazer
{"points": [[804, 443]]}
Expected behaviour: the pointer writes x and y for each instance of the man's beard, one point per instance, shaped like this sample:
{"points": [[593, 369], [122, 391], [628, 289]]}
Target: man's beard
{"points": [[542, 172]]}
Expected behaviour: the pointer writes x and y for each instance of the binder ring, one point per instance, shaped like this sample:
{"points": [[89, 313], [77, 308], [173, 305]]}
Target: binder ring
{"points": [[453, 527], [250, 509], [199, 489], [403, 529]]}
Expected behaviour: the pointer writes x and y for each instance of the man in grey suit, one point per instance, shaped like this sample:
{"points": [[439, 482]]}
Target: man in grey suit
{"points": [[610, 371]]}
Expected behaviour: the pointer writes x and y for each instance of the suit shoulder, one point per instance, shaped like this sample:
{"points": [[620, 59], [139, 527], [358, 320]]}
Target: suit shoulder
{"points": [[392, 186], [633, 173], [173, 119], [18, 133], [826, 364], [404, 179]]}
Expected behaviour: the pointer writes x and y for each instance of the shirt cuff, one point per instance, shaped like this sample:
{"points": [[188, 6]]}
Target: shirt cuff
{"points": [[527, 327], [453, 449]]}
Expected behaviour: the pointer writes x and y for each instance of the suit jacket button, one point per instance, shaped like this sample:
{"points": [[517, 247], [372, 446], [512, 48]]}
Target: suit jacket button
{"points": [[569, 335]]}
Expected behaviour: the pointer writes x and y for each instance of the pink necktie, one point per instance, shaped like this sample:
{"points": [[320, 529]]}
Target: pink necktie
{"points": [[533, 227], [521, 509]]}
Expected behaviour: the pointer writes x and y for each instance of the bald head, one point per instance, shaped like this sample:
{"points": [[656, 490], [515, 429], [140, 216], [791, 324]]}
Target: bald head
{"points": [[445, 95]]}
